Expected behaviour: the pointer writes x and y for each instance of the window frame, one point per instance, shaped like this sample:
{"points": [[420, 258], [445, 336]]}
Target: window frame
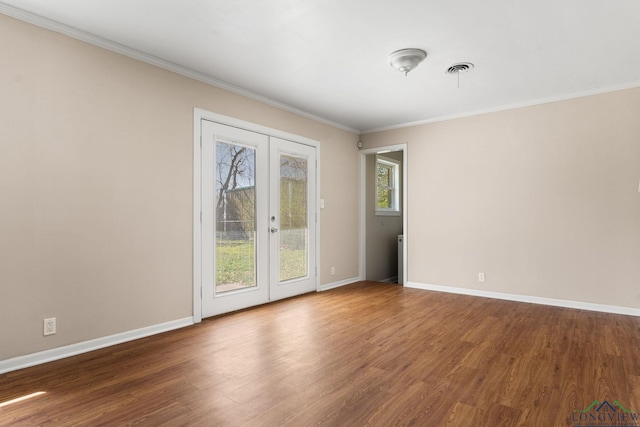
{"points": [[394, 165]]}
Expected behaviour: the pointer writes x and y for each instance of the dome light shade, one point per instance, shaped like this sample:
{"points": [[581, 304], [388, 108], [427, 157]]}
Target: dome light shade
{"points": [[405, 60]]}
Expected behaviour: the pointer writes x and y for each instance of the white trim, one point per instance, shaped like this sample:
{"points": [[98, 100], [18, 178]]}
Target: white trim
{"points": [[338, 284], [506, 107], [363, 204], [386, 213], [362, 270], [318, 218], [580, 305], [253, 127], [197, 217], [41, 357], [155, 61]]}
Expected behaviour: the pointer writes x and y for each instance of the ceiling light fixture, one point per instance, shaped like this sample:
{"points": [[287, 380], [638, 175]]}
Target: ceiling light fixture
{"points": [[405, 60]]}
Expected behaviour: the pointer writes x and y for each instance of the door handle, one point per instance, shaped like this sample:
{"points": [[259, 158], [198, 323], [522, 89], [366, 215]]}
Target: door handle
{"points": [[274, 229]]}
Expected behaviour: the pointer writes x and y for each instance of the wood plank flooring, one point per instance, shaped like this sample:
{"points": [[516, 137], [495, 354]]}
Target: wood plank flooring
{"points": [[364, 354]]}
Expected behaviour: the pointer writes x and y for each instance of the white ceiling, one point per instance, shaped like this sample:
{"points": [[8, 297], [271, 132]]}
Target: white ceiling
{"points": [[327, 58]]}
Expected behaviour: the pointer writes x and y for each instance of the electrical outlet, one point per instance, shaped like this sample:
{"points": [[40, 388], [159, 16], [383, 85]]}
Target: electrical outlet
{"points": [[481, 277], [50, 326], [333, 271]]}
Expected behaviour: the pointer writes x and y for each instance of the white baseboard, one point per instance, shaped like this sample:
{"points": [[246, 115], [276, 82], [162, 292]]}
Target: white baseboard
{"points": [[629, 311], [333, 285], [21, 362]]}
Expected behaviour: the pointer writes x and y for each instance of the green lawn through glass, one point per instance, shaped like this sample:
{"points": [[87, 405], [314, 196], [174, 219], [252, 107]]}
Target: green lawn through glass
{"points": [[236, 260]]}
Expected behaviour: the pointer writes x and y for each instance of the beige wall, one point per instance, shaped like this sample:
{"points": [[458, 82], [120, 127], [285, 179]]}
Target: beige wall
{"points": [[96, 189], [542, 199], [382, 231]]}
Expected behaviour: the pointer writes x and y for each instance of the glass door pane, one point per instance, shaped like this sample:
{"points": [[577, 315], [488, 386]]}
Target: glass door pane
{"points": [[293, 217], [234, 215], [292, 222], [235, 199]]}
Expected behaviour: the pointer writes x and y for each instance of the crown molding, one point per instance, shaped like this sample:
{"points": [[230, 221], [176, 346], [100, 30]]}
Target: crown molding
{"points": [[513, 106], [101, 42], [201, 77]]}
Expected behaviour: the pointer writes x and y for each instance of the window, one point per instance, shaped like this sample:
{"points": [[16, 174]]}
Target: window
{"points": [[387, 186]]}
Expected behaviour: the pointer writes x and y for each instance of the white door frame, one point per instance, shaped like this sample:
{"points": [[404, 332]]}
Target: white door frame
{"points": [[363, 206], [198, 116]]}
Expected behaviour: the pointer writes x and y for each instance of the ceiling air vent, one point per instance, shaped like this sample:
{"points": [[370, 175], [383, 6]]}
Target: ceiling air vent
{"points": [[461, 67]]}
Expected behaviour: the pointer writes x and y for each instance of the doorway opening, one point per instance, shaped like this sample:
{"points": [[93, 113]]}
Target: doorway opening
{"points": [[383, 214]]}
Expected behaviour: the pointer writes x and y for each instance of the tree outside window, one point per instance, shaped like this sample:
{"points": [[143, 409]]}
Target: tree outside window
{"points": [[387, 186]]}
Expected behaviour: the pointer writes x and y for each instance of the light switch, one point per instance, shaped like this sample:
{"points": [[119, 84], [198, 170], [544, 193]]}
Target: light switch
{"points": [[321, 203]]}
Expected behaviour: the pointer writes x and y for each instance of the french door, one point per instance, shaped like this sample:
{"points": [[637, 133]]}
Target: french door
{"points": [[292, 218], [258, 218]]}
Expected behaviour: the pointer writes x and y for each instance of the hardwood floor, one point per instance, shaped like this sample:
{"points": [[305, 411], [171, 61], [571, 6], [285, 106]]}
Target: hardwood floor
{"points": [[365, 354]]}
